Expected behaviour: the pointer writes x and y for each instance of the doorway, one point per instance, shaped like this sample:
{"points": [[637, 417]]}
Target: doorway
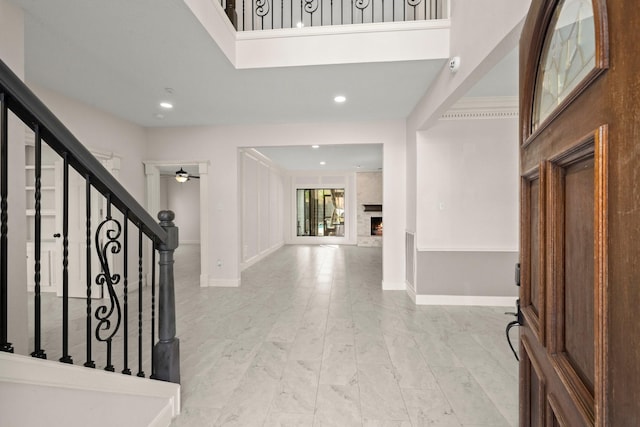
{"points": [[154, 172]]}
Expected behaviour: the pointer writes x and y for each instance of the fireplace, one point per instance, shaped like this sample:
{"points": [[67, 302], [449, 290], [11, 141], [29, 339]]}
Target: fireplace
{"points": [[376, 226]]}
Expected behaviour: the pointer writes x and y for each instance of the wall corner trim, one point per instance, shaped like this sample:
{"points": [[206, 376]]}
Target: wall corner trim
{"points": [[393, 286]]}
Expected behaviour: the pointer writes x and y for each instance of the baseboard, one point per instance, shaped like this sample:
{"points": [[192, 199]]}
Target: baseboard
{"points": [[393, 286], [189, 242], [224, 283], [256, 258], [465, 300]]}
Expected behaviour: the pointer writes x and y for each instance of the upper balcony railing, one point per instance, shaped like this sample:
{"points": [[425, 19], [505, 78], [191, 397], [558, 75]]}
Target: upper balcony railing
{"points": [[249, 15]]}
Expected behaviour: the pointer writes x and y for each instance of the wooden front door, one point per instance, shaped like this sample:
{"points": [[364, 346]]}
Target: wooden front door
{"points": [[580, 214]]}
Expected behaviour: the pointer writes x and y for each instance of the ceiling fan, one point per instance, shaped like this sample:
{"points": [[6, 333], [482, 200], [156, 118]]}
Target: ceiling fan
{"points": [[184, 176]]}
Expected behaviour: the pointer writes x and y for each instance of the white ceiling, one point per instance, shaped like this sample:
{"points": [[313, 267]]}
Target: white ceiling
{"points": [[356, 158], [121, 56]]}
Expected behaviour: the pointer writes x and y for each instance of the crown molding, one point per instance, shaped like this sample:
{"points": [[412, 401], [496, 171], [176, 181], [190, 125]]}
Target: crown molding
{"points": [[499, 107]]}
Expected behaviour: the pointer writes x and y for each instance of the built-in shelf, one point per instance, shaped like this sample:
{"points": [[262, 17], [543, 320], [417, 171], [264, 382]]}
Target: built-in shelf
{"points": [[372, 208], [43, 212], [43, 188], [44, 167]]}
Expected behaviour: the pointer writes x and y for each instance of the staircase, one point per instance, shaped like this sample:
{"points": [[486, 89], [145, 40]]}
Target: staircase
{"points": [[113, 360]]}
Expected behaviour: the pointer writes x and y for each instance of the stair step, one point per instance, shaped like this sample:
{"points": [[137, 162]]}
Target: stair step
{"points": [[37, 392]]}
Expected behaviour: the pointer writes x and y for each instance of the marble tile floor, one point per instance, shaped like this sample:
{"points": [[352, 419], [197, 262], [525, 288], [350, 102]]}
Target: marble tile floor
{"points": [[310, 339]]}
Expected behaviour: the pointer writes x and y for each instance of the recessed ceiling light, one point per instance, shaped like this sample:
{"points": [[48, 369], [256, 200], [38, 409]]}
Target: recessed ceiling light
{"points": [[315, 146], [323, 163], [340, 99], [166, 105]]}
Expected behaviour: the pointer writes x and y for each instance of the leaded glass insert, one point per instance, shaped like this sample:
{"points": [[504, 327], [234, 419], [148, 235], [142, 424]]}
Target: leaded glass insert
{"points": [[567, 57]]}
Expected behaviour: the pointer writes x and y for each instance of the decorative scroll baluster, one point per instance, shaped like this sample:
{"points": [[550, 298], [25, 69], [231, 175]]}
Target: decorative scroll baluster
{"points": [[415, 4], [5, 345], [38, 351], [310, 6], [66, 358], [361, 5], [153, 306], [107, 327], [140, 371], [262, 8], [125, 295], [166, 352], [89, 363]]}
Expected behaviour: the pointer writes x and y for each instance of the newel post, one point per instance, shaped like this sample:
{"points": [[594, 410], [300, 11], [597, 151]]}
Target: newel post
{"points": [[166, 352]]}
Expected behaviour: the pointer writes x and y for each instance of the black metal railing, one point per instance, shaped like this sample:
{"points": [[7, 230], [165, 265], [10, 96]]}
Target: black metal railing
{"points": [[249, 15], [83, 326]]}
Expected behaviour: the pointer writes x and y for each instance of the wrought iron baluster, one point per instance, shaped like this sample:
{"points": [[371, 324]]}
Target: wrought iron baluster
{"points": [[382, 11], [415, 4], [361, 5], [5, 345], [352, 11], [262, 8], [331, 7], [253, 19], [311, 6], [393, 11], [66, 358], [108, 327], [37, 351], [89, 363], [281, 13], [153, 306], [140, 371], [125, 295]]}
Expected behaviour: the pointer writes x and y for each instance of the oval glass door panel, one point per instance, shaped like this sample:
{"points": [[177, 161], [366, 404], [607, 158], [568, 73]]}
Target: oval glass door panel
{"points": [[567, 57]]}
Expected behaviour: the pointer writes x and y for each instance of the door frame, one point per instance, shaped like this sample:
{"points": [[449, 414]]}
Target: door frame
{"points": [[152, 202]]}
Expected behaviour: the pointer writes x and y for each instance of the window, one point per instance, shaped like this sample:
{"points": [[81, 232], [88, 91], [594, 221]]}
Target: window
{"points": [[320, 212], [569, 54]]}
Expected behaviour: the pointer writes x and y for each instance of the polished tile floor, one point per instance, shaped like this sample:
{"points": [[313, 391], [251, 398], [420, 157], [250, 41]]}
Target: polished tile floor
{"points": [[310, 339]]}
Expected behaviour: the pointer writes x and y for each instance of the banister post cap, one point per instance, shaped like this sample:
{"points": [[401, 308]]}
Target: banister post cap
{"points": [[166, 217]]}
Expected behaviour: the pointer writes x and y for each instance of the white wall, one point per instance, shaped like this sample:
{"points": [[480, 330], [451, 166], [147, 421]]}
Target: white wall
{"points": [[102, 131], [220, 146], [467, 184], [467, 212], [12, 53], [184, 200], [262, 185]]}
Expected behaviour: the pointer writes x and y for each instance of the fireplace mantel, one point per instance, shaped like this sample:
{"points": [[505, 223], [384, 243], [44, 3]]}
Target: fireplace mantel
{"points": [[372, 208]]}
